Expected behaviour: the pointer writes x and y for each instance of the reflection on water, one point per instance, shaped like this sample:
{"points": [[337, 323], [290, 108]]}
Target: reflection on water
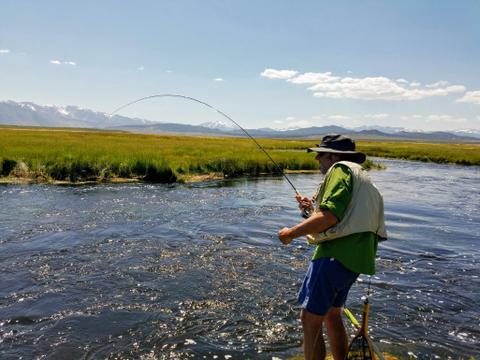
{"points": [[155, 271]]}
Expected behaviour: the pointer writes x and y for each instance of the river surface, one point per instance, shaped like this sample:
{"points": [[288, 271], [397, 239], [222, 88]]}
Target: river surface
{"points": [[147, 271]]}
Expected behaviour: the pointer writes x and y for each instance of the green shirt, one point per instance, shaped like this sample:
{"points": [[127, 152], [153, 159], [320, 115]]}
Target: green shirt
{"points": [[356, 251]]}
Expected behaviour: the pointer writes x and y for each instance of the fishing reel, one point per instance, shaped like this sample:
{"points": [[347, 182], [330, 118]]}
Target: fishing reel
{"points": [[306, 213]]}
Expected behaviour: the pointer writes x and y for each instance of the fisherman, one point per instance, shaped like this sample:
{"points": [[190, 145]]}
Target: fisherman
{"points": [[346, 222]]}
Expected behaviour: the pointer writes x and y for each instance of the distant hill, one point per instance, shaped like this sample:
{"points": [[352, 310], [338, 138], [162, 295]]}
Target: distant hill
{"points": [[31, 114]]}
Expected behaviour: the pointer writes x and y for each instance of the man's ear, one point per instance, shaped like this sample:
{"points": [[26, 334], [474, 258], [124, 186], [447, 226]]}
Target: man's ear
{"points": [[334, 157]]}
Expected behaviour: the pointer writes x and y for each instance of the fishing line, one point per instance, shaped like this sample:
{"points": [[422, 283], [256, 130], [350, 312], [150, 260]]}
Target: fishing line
{"points": [[218, 111]]}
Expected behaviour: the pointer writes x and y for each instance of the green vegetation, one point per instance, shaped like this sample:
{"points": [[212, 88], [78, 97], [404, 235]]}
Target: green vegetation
{"points": [[45, 154], [461, 154], [62, 155]]}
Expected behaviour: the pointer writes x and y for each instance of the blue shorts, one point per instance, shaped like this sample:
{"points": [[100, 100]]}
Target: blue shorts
{"points": [[326, 285]]}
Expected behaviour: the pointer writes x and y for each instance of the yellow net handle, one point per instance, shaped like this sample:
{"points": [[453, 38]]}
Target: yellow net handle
{"points": [[357, 325]]}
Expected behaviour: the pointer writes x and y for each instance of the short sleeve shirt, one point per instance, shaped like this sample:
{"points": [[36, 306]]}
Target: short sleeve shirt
{"points": [[355, 251]]}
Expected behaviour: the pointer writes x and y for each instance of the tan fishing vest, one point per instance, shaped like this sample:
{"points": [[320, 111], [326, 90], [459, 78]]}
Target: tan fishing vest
{"points": [[364, 213]]}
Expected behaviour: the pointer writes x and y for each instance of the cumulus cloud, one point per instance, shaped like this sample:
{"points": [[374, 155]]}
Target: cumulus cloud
{"points": [[218, 79], [4, 51], [314, 78], [55, 62], [278, 74], [327, 85], [472, 97]]}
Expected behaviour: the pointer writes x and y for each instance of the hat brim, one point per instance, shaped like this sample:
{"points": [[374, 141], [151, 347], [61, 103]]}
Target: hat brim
{"points": [[354, 156]]}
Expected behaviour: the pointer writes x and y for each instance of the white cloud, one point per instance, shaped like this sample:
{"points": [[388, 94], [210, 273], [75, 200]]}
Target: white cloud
{"points": [[58, 62], [141, 68], [438, 84], [437, 119], [313, 78], [278, 74], [377, 116], [445, 119], [4, 51], [298, 124], [218, 80], [472, 97], [326, 85], [169, 71], [338, 117], [292, 122]]}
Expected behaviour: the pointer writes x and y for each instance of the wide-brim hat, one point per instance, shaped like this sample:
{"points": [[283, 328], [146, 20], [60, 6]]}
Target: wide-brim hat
{"points": [[339, 144]]}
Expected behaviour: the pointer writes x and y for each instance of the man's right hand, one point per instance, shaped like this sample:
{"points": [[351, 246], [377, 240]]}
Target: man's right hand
{"points": [[304, 203]]}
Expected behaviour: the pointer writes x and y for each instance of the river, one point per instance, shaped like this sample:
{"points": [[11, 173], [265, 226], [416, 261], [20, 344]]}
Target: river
{"points": [[156, 271]]}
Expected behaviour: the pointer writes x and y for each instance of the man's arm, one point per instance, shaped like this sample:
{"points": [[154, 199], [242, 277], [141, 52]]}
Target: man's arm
{"points": [[318, 222]]}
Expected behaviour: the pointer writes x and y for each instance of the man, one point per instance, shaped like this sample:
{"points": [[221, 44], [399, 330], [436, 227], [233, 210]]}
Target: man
{"points": [[346, 223]]}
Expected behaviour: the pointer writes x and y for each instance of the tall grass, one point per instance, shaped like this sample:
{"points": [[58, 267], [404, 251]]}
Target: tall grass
{"points": [[90, 155], [461, 154], [75, 155]]}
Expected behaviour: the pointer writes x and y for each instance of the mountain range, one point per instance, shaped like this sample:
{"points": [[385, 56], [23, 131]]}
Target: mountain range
{"points": [[30, 114]]}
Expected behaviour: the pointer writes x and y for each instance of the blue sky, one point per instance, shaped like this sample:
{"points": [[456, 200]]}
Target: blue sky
{"points": [[412, 64]]}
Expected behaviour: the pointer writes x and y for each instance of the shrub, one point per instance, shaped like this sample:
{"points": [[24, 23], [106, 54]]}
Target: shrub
{"points": [[7, 166]]}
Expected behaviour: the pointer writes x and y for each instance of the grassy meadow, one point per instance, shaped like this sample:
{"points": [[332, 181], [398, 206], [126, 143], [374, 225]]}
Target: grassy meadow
{"points": [[444, 153], [46, 155]]}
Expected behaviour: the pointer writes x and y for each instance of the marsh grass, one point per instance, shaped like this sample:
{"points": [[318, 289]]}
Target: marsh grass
{"points": [[62, 155], [47, 154], [461, 154]]}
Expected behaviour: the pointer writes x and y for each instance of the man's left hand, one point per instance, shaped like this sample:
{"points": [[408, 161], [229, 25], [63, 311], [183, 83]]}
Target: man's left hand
{"points": [[285, 236]]}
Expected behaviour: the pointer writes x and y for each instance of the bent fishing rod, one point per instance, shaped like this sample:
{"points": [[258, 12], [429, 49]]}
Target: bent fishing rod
{"points": [[218, 111]]}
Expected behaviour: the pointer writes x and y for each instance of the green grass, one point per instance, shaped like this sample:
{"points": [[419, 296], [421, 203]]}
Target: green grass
{"points": [[49, 154], [90, 155], [461, 154]]}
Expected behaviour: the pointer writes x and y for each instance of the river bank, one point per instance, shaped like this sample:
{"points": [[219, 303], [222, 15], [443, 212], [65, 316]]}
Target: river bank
{"points": [[62, 156]]}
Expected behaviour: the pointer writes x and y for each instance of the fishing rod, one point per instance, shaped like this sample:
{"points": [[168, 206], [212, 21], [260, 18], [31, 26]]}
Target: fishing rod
{"points": [[305, 214], [218, 111]]}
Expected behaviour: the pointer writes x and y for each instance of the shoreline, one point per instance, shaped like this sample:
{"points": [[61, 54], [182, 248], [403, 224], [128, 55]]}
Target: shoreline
{"points": [[190, 179], [64, 157], [38, 179]]}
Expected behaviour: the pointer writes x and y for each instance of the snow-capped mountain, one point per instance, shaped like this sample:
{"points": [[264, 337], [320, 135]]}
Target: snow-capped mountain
{"points": [[384, 129], [31, 114], [218, 125], [468, 132]]}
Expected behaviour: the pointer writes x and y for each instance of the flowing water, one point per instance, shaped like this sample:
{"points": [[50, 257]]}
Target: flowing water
{"points": [[154, 271]]}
